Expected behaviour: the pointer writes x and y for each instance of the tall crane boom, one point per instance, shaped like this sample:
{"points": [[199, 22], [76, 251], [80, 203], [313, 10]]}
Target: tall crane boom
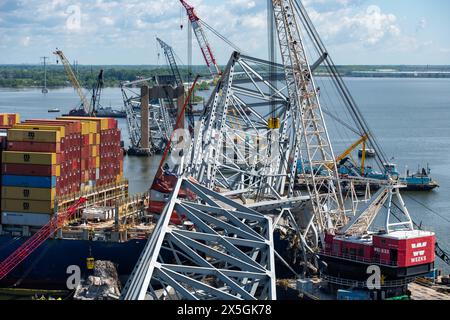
{"points": [[313, 146], [170, 56], [29, 246], [202, 40], [74, 80]]}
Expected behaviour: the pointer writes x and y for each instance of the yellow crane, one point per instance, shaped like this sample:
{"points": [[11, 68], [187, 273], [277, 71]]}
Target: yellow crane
{"points": [[74, 80], [347, 152]]}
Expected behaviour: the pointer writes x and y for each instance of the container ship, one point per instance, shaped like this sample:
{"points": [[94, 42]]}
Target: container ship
{"points": [[48, 164]]}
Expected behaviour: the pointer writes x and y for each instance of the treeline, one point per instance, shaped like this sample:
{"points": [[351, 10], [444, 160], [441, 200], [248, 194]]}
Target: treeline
{"points": [[17, 76], [33, 75]]}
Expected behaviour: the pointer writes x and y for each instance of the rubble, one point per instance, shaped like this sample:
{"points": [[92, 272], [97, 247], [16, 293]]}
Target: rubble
{"points": [[104, 284]]}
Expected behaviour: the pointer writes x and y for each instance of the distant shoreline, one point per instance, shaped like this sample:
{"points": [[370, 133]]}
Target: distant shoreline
{"points": [[32, 76], [362, 76]]}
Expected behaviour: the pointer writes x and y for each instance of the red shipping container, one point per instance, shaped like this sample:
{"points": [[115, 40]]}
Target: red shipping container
{"points": [[28, 170], [85, 152], [31, 146], [85, 140]]}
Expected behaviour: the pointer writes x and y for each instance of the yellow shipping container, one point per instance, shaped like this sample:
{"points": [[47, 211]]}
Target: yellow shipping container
{"points": [[29, 157], [94, 151], [97, 162], [32, 135], [91, 138], [85, 128], [38, 127], [35, 206], [28, 193], [97, 138], [92, 122], [103, 121]]}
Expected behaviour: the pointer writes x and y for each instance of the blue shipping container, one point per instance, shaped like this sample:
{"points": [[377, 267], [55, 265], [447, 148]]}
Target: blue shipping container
{"points": [[29, 181]]}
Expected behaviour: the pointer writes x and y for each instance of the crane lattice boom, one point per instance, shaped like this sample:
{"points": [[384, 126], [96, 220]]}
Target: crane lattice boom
{"points": [[170, 56], [313, 147], [202, 40], [74, 80]]}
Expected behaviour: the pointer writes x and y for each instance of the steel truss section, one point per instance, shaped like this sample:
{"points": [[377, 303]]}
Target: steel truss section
{"points": [[234, 148], [222, 251]]}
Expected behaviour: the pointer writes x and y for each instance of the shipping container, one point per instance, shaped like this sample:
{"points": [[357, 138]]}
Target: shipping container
{"points": [[37, 136], [94, 123], [34, 206], [28, 181], [9, 119], [31, 170], [22, 193], [31, 146], [29, 157], [74, 126], [102, 122], [25, 219], [38, 127]]}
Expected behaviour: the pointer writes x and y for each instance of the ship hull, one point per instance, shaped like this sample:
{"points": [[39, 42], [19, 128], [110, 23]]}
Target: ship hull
{"points": [[46, 268]]}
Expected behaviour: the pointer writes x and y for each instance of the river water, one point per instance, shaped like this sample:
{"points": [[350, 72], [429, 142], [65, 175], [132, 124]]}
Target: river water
{"points": [[410, 118]]}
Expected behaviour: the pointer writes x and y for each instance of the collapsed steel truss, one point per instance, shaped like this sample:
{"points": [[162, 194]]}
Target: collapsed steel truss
{"points": [[222, 251], [161, 122], [234, 149]]}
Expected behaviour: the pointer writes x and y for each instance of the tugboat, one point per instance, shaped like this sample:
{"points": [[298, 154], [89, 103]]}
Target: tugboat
{"points": [[419, 181]]}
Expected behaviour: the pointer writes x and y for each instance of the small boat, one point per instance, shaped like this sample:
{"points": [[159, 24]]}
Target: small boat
{"points": [[419, 181], [54, 110], [370, 153]]}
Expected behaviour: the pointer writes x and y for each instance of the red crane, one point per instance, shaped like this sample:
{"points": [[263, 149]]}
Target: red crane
{"points": [[202, 40], [29, 246]]}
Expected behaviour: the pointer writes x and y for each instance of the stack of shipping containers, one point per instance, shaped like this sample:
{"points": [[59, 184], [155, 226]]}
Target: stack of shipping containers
{"points": [[47, 159], [7, 120]]}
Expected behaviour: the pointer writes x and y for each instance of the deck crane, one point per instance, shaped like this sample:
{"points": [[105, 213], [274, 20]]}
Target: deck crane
{"points": [[29, 246], [363, 141], [76, 85], [202, 40]]}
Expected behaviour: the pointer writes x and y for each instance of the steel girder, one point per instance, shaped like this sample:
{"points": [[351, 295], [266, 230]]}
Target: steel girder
{"points": [[222, 251]]}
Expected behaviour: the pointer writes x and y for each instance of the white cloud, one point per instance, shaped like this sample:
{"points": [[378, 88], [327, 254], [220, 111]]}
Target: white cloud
{"points": [[25, 41]]}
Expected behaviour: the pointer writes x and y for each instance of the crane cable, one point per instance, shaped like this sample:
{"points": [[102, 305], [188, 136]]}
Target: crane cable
{"points": [[220, 36], [428, 208]]}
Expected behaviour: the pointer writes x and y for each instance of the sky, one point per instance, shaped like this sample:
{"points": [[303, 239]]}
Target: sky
{"points": [[124, 32]]}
